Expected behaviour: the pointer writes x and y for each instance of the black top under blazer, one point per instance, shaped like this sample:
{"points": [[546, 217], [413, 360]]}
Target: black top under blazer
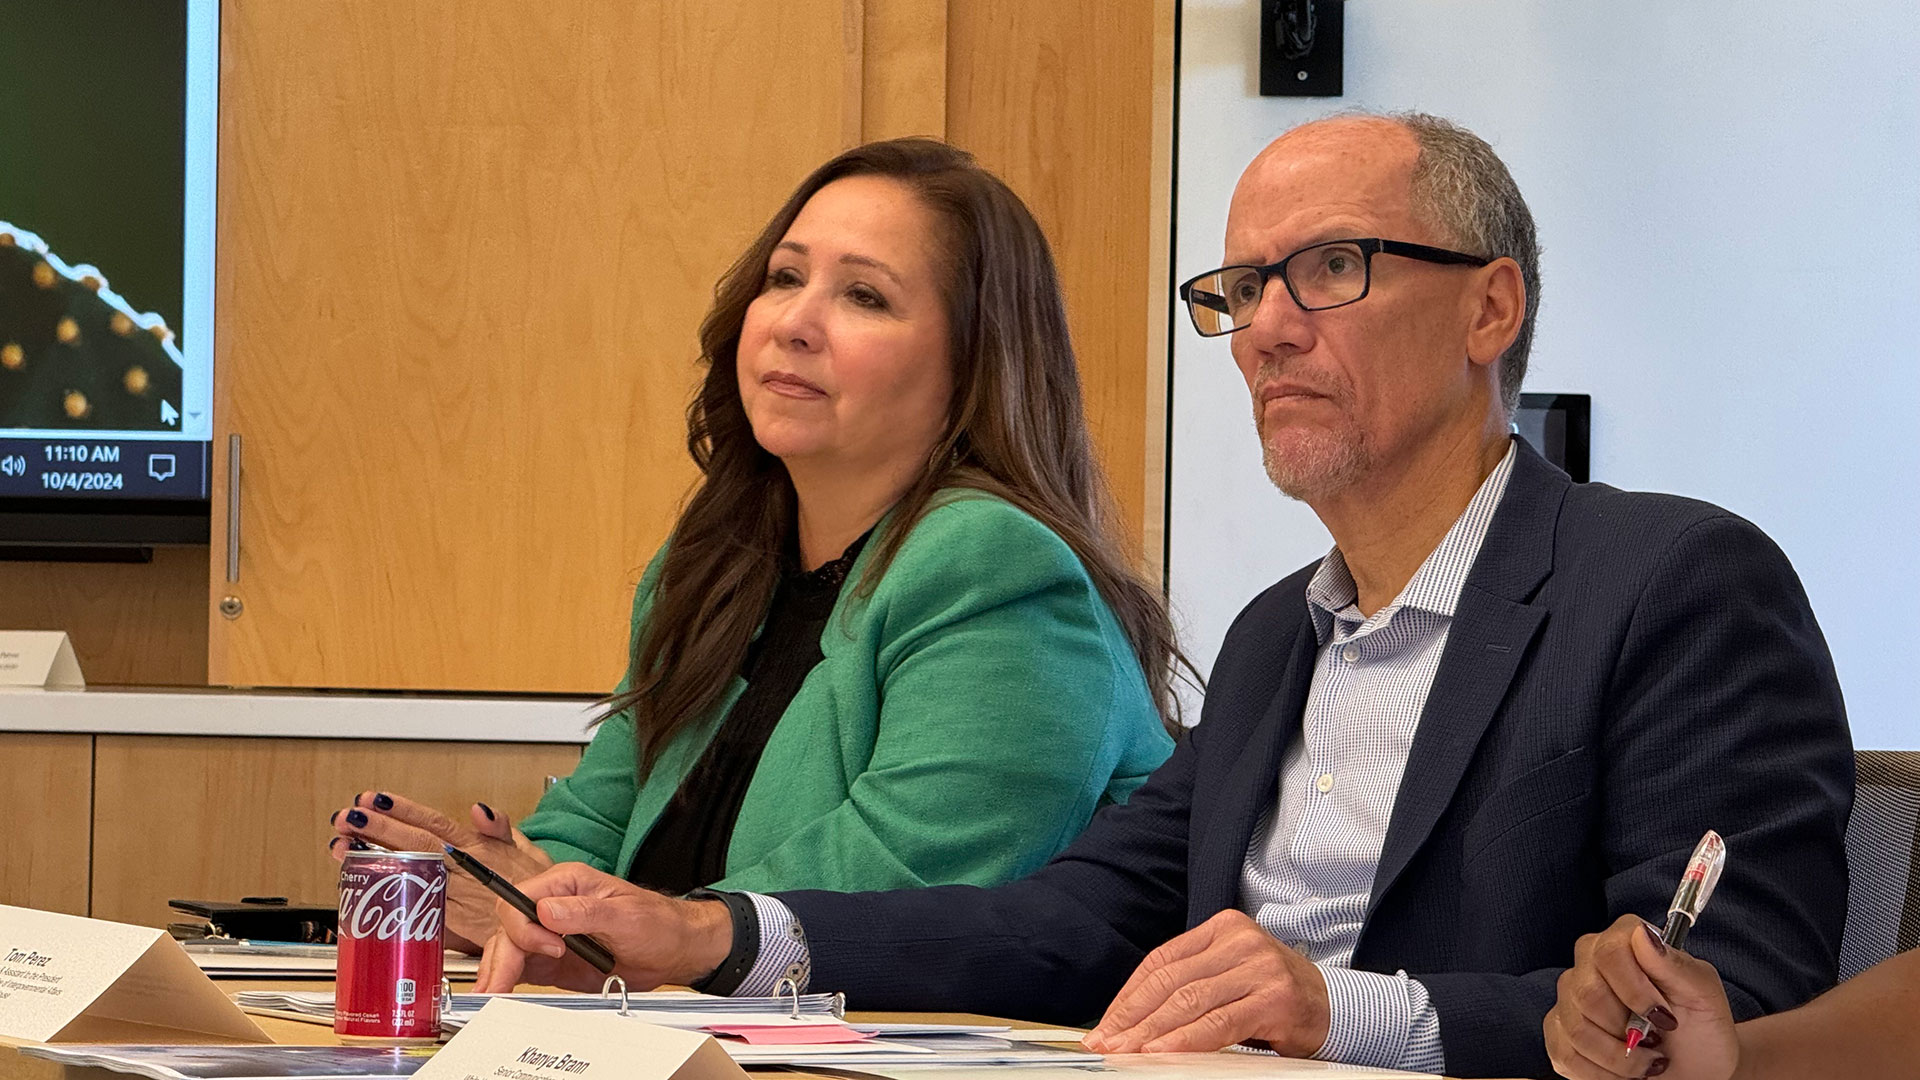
{"points": [[1624, 671]]}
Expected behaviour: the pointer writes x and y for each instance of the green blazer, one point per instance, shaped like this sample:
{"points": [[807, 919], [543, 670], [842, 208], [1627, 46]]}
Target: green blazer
{"points": [[967, 719]]}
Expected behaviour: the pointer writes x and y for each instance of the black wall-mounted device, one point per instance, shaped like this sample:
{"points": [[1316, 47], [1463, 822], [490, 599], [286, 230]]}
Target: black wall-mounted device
{"points": [[1560, 427], [1301, 47]]}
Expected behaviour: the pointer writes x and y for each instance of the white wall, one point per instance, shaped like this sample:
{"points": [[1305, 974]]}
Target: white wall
{"points": [[1728, 197]]}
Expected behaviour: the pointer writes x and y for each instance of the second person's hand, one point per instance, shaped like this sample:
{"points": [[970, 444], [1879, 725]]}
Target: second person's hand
{"points": [[397, 822], [1627, 969], [654, 939]]}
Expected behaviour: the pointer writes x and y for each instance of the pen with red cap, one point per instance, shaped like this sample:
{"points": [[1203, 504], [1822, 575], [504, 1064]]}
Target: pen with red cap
{"points": [[1696, 885]]}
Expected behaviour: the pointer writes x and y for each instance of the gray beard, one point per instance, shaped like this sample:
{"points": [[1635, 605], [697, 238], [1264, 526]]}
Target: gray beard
{"points": [[1325, 467]]}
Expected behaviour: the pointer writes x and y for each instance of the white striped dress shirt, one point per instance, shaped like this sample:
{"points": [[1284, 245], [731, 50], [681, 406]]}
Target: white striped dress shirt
{"points": [[1310, 867]]}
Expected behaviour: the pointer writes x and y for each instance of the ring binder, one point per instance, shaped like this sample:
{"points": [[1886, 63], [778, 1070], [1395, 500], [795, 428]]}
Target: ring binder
{"points": [[606, 990], [837, 1004]]}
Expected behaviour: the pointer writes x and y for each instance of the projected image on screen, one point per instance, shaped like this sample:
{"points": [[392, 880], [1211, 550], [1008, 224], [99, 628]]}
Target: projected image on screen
{"points": [[73, 353], [106, 247]]}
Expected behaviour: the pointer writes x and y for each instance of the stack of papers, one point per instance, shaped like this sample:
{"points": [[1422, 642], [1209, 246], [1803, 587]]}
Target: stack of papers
{"points": [[753, 1031], [382, 1063], [889, 1050], [387, 1063], [242, 1062], [287, 960], [672, 1008], [1220, 1066]]}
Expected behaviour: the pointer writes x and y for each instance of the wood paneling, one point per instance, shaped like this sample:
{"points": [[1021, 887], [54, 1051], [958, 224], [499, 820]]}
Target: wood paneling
{"points": [[215, 818], [464, 252], [904, 84], [46, 800], [853, 33], [131, 623], [459, 289], [1071, 103], [1157, 286]]}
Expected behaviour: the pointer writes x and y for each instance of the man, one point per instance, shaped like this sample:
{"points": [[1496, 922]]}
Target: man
{"points": [[1497, 716]]}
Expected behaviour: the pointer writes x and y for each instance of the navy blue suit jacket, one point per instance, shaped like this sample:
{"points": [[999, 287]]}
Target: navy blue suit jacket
{"points": [[1624, 671]]}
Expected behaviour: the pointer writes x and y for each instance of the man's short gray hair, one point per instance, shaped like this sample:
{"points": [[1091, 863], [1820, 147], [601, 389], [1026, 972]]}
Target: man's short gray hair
{"points": [[1462, 186]]}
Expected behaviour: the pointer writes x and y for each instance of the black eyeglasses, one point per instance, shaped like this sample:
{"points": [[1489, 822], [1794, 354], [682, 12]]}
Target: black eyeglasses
{"points": [[1327, 275]]}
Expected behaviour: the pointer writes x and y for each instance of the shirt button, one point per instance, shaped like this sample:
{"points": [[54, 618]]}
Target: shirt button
{"points": [[1351, 653], [1326, 783]]}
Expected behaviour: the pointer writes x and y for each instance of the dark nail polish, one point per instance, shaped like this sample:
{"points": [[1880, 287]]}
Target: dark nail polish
{"points": [[357, 844], [1659, 1066], [1662, 1019], [357, 818], [332, 842], [485, 809], [1654, 936], [383, 801], [1653, 1039], [334, 817], [356, 800]]}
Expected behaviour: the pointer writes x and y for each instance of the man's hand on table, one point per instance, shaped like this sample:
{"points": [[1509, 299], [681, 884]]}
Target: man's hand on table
{"points": [[654, 939], [1223, 982]]}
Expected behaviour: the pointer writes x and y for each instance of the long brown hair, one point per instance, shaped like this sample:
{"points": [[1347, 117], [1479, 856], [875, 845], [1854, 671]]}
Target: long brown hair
{"points": [[1016, 430]]}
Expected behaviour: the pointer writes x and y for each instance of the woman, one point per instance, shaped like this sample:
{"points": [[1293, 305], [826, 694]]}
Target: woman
{"points": [[892, 640], [1863, 1029]]}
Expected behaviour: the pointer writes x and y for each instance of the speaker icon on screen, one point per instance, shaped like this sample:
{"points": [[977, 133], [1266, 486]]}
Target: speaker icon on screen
{"points": [[161, 467], [13, 465]]}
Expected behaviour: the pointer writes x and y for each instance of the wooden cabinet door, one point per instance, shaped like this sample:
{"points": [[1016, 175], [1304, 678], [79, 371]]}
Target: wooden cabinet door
{"points": [[1070, 102], [463, 250], [48, 801], [248, 817]]}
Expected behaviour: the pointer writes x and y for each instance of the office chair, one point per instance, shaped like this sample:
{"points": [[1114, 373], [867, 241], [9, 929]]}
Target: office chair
{"points": [[1883, 856]]}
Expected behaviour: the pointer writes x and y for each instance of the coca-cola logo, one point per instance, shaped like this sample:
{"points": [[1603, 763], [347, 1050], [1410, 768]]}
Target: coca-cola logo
{"points": [[381, 911]]}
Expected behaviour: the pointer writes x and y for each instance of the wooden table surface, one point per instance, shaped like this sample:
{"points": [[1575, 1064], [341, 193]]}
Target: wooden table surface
{"points": [[14, 1066], [1224, 1066]]}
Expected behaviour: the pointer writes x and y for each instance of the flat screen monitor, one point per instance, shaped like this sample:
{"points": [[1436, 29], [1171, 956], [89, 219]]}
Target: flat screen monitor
{"points": [[1557, 425], [106, 271]]}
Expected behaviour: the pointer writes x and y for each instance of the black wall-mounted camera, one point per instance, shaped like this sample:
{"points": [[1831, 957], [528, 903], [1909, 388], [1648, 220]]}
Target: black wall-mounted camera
{"points": [[1301, 47]]}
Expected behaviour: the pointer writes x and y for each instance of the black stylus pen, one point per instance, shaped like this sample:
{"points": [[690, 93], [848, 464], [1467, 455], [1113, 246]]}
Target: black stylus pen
{"points": [[583, 946]]}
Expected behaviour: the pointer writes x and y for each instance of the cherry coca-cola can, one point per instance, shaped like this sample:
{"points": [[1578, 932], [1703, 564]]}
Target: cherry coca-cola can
{"points": [[392, 907]]}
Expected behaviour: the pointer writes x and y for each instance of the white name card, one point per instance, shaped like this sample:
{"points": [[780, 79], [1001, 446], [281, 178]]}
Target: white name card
{"points": [[68, 979], [518, 1040], [42, 658]]}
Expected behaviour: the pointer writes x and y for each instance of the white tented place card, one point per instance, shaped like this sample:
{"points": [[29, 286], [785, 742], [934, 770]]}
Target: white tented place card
{"points": [[42, 658], [68, 979], [515, 1040]]}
